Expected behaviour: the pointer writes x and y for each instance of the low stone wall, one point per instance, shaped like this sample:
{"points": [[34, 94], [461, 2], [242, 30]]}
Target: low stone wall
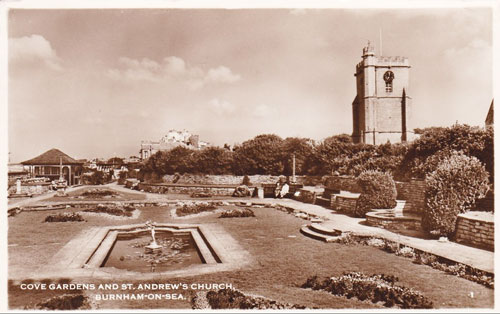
{"points": [[476, 229], [329, 193], [237, 180], [31, 188], [308, 195], [219, 179], [391, 222], [342, 183], [345, 204], [413, 192], [188, 189]]}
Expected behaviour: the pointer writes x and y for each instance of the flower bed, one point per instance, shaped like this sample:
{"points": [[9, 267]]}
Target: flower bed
{"points": [[233, 299], [64, 217], [237, 213], [116, 210], [376, 288], [420, 257], [96, 193], [194, 208], [64, 302]]}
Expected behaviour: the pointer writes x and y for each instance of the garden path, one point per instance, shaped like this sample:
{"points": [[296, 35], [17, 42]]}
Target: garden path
{"points": [[477, 258]]}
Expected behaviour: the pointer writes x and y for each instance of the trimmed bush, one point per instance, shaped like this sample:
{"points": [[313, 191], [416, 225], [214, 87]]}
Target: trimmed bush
{"points": [[452, 189], [378, 191]]}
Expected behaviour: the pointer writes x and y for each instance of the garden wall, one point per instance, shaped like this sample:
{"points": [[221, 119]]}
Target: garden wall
{"points": [[391, 222], [31, 188], [344, 204], [236, 180], [188, 189], [219, 179], [413, 192], [309, 195], [477, 229], [342, 183]]}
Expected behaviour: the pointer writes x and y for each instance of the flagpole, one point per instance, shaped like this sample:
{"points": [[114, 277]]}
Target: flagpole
{"points": [[380, 37]]}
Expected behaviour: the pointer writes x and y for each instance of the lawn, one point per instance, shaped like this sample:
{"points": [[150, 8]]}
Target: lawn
{"points": [[284, 259]]}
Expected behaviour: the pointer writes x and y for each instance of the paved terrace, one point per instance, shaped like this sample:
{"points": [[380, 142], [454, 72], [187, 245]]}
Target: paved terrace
{"points": [[477, 258]]}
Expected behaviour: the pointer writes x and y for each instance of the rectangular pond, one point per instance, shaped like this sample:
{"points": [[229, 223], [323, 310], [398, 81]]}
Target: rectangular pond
{"points": [[177, 250]]}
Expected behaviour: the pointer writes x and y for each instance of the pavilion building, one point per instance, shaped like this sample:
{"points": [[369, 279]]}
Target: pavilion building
{"points": [[51, 163]]}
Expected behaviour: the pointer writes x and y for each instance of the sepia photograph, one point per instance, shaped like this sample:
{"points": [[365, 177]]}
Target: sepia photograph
{"points": [[182, 156]]}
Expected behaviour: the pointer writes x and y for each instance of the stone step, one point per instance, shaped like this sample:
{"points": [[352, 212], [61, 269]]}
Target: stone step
{"points": [[305, 230], [324, 230]]}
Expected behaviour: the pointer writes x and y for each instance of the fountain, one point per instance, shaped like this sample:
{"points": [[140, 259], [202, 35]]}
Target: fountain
{"points": [[60, 184], [153, 247]]}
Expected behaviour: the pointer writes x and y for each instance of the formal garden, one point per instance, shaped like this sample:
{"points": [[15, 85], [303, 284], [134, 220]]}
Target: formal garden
{"points": [[248, 252], [271, 237]]}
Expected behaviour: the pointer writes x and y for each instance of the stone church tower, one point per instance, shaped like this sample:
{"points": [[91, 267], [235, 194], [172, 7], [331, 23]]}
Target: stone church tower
{"points": [[381, 109]]}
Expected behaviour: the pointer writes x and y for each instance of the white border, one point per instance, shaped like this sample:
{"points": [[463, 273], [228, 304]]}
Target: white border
{"points": [[228, 4]]}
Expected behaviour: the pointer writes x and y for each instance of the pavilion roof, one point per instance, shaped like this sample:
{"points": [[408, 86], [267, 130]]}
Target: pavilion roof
{"points": [[51, 157]]}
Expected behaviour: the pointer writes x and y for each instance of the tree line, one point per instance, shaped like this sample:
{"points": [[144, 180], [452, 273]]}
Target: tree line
{"points": [[269, 154]]}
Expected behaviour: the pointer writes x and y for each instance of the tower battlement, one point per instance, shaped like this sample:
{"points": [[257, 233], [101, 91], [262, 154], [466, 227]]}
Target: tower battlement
{"points": [[384, 61]]}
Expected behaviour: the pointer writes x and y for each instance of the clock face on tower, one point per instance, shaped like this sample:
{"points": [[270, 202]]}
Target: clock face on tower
{"points": [[388, 76]]}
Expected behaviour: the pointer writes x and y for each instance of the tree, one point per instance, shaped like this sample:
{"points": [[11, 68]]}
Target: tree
{"points": [[213, 160], [302, 148], [260, 155], [332, 154], [179, 159], [435, 144]]}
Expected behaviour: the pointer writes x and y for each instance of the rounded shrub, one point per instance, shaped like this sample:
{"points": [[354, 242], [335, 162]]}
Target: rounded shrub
{"points": [[378, 191], [452, 189]]}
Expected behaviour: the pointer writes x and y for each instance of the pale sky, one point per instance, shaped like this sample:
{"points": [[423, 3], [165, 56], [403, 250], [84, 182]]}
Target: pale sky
{"points": [[94, 83]]}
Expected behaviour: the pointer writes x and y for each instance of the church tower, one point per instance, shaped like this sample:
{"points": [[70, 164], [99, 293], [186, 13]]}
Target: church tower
{"points": [[381, 109]]}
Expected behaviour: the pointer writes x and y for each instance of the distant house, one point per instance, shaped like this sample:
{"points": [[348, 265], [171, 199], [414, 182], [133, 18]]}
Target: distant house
{"points": [[170, 141], [51, 163], [489, 118]]}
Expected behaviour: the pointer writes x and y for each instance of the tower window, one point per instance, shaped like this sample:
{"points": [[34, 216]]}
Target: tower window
{"points": [[388, 87]]}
